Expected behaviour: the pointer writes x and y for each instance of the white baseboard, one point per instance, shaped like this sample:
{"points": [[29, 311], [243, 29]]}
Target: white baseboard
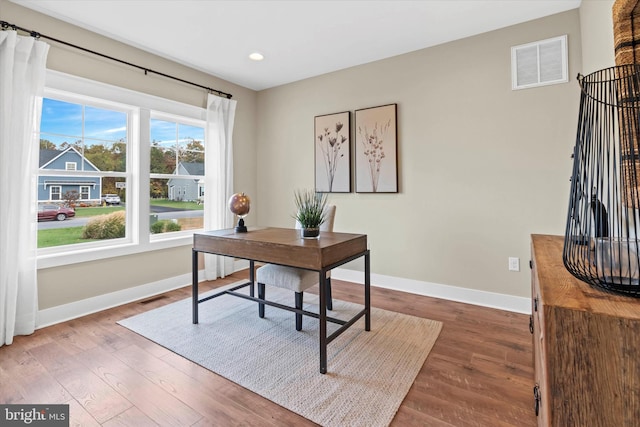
{"points": [[65, 312], [452, 293], [73, 310]]}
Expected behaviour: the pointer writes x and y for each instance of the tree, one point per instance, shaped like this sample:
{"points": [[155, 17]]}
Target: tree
{"points": [[45, 144], [158, 189], [77, 145], [162, 160], [70, 198], [119, 156], [100, 156], [193, 152]]}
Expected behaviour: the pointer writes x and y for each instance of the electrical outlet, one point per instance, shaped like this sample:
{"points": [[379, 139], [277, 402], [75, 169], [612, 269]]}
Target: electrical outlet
{"points": [[514, 263]]}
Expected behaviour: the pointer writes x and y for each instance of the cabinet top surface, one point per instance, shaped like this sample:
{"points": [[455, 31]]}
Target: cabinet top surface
{"points": [[559, 288]]}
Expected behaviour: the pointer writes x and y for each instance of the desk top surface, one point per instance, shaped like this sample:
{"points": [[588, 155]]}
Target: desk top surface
{"points": [[282, 246]]}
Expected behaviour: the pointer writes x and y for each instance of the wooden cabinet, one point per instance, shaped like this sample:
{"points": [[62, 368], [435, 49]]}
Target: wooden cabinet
{"points": [[586, 344]]}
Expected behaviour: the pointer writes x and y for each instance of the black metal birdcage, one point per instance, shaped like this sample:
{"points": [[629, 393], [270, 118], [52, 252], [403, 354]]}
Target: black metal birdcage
{"points": [[601, 237]]}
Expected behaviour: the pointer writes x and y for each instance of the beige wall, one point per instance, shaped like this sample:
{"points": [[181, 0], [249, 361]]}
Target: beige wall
{"points": [[481, 166], [596, 25], [61, 285]]}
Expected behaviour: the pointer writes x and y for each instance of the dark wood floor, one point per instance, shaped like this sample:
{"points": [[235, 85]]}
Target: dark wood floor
{"points": [[479, 372]]}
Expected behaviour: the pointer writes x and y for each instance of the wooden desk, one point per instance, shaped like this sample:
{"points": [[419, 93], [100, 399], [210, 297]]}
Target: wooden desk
{"points": [[284, 246]]}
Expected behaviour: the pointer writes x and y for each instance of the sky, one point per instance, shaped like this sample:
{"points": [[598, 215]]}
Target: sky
{"points": [[63, 122]]}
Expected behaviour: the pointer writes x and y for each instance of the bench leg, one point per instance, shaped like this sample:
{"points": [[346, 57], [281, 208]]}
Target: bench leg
{"points": [[299, 307], [261, 292]]}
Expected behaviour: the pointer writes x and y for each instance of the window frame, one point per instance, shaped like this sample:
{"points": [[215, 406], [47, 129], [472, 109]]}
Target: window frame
{"points": [[138, 239]]}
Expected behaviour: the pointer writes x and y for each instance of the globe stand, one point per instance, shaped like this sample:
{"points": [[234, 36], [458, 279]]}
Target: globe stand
{"points": [[241, 228], [239, 204]]}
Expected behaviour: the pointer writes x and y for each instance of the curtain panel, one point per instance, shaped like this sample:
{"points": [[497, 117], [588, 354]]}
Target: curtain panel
{"points": [[218, 182], [22, 76]]}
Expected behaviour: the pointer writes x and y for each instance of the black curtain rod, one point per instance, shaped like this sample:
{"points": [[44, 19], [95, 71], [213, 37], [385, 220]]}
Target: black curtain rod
{"points": [[37, 35]]}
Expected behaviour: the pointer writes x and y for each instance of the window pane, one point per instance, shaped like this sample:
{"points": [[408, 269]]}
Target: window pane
{"points": [[78, 202], [93, 138], [176, 203], [176, 148], [175, 206]]}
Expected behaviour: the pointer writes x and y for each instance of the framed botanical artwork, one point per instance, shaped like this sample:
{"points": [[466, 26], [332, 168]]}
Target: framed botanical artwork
{"points": [[376, 152], [333, 152]]}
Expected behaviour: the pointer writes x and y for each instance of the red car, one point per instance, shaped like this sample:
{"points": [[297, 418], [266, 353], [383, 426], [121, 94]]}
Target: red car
{"points": [[59, 213]]}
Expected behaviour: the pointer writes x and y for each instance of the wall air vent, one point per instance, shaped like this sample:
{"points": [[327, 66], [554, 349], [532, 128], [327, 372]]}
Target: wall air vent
{"points": [[540, 63]]}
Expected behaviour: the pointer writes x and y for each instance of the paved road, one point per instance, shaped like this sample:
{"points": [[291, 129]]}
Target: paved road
{"points": [[168, 213]]}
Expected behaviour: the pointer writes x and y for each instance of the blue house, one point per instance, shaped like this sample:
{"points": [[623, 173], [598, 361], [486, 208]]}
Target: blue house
{"points": [[52, 188], [185, 189]]}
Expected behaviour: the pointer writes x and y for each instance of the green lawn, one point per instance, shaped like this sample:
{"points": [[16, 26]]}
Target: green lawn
{"points": [[189, 206], [61, 236], [97, 210]]}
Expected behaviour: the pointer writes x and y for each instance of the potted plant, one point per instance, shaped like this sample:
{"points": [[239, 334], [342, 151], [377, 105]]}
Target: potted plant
{"points": [[311, 211]]}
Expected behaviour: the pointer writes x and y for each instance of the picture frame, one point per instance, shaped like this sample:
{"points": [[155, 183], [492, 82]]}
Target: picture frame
{"points": [[376, 149], [332, 148]]}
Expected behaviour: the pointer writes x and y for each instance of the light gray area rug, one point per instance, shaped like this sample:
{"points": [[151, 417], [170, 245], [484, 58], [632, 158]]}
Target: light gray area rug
{"points": [[369, 373]]}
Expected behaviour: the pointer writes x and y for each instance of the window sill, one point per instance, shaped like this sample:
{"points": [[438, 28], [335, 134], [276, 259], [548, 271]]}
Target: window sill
{"points": [[94, 254]]}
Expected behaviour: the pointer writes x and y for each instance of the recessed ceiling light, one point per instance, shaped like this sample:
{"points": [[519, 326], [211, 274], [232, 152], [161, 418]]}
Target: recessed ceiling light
{"points": [[256, 56]]}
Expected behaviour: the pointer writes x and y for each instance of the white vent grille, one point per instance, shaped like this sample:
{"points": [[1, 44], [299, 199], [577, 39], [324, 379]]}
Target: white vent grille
{"points": [[539, 63]]}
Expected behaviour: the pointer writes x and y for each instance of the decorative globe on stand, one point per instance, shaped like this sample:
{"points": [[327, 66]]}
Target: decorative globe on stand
{"points": [[240, 204]]}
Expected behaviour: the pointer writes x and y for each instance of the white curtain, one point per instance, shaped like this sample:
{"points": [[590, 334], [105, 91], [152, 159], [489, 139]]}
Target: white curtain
{"points": [[218, 182], [22, 74]]}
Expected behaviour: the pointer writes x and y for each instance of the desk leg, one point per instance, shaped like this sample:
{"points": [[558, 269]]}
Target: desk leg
{"points": [[323, 322], [252, 274], [367, 291], [194, 285]]}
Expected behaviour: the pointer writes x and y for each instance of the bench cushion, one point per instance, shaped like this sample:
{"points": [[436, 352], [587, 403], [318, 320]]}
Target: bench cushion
{"points": [[291, 278]]}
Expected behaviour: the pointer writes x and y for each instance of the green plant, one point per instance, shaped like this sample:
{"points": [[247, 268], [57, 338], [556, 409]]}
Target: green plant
{"points": [[157, 227], [311, 212], [110, 226], [164, 226], [172, 226]]}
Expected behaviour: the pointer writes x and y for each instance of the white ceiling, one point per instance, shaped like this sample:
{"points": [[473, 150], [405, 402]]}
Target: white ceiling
{"points": [[299, 39]]}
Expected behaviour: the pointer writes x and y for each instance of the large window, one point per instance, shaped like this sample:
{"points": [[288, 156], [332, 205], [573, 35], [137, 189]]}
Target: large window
{"points": [[129, 165]]}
